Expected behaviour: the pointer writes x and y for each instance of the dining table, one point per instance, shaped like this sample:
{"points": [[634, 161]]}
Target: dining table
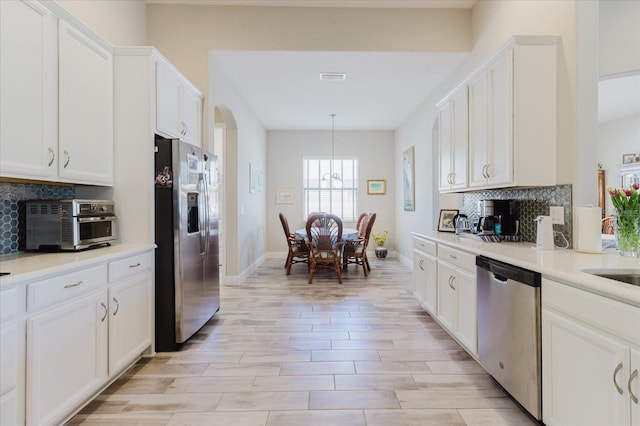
{"points": [[347, 234]]}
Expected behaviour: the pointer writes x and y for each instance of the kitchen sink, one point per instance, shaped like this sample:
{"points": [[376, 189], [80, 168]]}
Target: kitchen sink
{"points": [[629, 276]]}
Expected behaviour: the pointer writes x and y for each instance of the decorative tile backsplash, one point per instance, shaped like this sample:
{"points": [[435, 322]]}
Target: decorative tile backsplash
{"points": [[533, 203], [13, 194]]}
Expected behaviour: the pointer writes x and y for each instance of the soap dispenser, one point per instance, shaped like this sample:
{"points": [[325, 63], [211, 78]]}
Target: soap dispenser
{"points": [[544, 237]]}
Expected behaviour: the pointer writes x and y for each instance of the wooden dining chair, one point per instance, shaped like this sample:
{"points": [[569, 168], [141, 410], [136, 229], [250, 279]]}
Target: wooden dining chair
{"points": [[324, 238], [355, 251], [298, 249], [360, 219]]}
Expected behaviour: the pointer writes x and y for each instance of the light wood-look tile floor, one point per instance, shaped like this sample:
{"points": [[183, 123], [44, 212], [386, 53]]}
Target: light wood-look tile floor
{"points": [[283, 352]]}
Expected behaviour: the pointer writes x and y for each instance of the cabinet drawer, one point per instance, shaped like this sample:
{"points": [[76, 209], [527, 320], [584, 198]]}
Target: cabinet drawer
{"points": [[64, 287], [9, 304], [458, 258], [124, 268], [425, 246], [613, 316]]}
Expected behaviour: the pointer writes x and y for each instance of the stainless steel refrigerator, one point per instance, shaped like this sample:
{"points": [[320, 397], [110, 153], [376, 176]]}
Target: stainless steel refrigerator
{"points": [[187, 288]]}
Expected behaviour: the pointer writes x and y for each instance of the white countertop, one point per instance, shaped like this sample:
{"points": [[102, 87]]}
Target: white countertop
{"points": [[27, 266], [562, 265]]}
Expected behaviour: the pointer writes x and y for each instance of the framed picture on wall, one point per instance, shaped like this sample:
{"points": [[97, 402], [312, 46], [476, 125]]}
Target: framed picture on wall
{"points": [[376, 186], [284, 196], [628, 158], [408, 177], [445, 222]]}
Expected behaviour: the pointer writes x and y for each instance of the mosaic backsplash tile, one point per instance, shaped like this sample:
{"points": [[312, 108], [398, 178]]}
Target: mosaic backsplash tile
{"points": [[13, 214], [533, 203]]}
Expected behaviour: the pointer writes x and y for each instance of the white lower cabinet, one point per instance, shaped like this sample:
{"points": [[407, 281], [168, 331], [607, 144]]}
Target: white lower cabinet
{"points": [[66, 357], [130, 315], [590, 358], [12, 356], [457, 296], [424, 273]]}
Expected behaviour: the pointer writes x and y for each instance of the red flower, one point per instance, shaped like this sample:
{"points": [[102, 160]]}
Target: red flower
{"points": [[636, 186], [627, 192]]}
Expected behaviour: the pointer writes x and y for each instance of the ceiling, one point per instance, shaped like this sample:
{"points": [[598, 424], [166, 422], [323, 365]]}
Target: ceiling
{"points": [[380, 91]]}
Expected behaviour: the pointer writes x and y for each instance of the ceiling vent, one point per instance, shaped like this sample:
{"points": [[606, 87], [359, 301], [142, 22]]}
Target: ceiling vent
{"points": [[332, 76]]}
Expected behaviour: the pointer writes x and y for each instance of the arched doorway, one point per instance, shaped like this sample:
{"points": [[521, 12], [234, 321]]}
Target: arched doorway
{"points": [[225, 143]]}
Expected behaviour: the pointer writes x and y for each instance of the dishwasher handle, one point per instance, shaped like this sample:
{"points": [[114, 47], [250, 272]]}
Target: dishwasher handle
{"points": [[504, 271]]}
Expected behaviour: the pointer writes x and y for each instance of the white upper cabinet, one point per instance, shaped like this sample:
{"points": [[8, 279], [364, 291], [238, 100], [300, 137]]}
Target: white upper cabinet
{"points": [[56, 93], [453, 131], [512, 119], [28, 91], [85, 108], [490, 124], [179, 105]]}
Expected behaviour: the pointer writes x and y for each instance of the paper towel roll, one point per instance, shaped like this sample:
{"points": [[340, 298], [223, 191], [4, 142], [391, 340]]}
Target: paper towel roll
{"points": [[589, 221]]}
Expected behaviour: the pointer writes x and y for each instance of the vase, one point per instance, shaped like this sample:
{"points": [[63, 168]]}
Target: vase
{"points": [[381, 252], [626, 229]]}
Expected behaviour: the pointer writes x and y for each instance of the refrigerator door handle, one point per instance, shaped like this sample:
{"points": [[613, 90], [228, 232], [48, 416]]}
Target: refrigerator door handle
{"points": [[202, 206], [207, 223]]}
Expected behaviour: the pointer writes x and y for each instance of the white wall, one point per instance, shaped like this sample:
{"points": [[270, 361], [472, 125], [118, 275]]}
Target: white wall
{"points": [[285, 151], [493, 22], [121, 23], [246, 218], [619, 36]]}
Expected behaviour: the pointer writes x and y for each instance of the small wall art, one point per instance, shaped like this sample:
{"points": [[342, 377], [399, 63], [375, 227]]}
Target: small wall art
{"points": [[628, 158], [408, 178], [376, 187], [256, 179], [284, 196]]}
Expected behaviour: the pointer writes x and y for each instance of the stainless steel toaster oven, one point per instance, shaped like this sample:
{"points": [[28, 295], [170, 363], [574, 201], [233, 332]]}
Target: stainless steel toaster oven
{"points": [[54, 225]]}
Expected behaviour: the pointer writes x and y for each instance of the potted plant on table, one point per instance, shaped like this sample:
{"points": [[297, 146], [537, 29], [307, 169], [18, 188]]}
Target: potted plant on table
{"points": [[380, 238]]}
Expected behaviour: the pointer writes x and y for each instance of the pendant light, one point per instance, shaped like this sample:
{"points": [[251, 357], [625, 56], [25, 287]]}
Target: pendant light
{"points": [[332, 179]]}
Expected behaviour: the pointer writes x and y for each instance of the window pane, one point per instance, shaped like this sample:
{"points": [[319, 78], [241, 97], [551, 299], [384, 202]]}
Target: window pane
{"points": [[324, 194]]}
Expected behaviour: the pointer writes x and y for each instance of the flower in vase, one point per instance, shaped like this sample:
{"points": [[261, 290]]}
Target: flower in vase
{"points": [[380, 237], [627, 218]]}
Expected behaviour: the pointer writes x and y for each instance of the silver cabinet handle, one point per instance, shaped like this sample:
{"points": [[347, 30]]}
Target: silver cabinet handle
{"points": [[117, 306], [73, 285], [615, 373], [53, 156], [134, 266], [633, 376], [453, 256], [451, 279], [68, 157], [420, 264], [488, 172], [105, 311]]}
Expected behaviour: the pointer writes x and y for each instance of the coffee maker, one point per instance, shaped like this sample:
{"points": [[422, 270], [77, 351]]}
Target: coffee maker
{"points": [[502, 212]]}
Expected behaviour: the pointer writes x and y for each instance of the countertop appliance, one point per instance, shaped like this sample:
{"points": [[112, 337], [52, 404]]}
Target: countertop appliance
{"points": [[69, 225], [186, 232], [504, 212], [509, 330]]}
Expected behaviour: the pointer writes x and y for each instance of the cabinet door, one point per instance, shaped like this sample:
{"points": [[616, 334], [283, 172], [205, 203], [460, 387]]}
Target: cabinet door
{"points": [[633, 386], [478, 130], [28, 91], [66, 357], [445, 147], [191, 115], [418, 274], [460, 137], [129, 321], [446, 296], [499, 168], [430, 283], [167, 100], [584, 374], [466, 324], [86, 109]]}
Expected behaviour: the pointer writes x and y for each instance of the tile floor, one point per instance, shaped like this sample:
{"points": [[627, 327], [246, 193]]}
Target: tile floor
{"points": [[281, 352]]}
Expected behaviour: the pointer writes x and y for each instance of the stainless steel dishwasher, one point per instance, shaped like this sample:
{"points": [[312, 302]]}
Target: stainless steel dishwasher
{"points": [[509, 330]]}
